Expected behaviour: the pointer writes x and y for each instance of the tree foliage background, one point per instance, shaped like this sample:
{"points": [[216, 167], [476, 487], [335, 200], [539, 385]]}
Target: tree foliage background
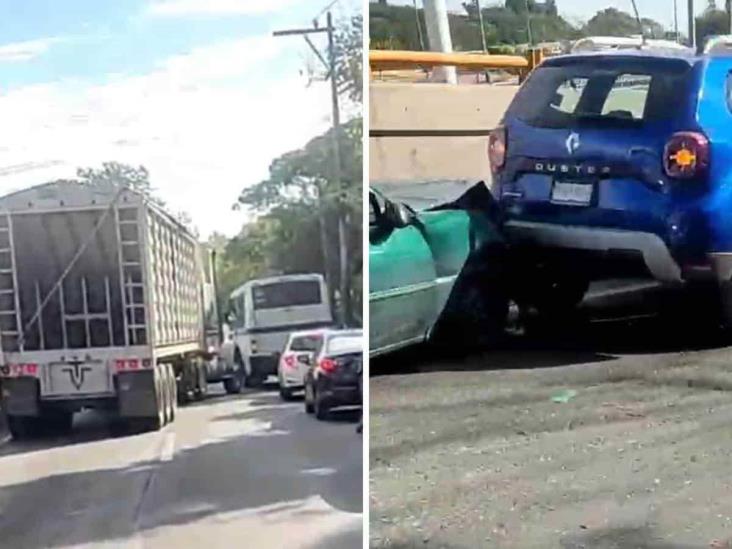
{"points": [[296, 209], [505, 23]]}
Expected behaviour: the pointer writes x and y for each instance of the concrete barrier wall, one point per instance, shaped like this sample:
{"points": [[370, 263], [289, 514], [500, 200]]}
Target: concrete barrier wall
{"points": [[402, 106]]}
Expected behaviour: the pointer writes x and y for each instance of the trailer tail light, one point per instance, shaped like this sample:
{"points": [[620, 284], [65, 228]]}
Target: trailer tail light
{"points": [[497, 149], [328, 365], [132, 364], [686, 155], [19, 370]]}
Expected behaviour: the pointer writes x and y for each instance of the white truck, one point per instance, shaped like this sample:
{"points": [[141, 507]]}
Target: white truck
{"points": [[263, 313], [106, 301]]}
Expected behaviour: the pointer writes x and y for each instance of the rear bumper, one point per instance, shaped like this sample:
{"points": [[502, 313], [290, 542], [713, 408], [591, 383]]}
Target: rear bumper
{"points": [[655, 253], [339, 393]]}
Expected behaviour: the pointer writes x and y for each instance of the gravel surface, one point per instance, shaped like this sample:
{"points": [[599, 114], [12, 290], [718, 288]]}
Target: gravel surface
{"points": [[604, 433]]}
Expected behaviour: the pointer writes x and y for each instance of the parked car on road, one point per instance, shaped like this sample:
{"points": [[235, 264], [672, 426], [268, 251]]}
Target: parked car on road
{"points": [[435, 266], [332, 380], [298, 354], [618, 164]]}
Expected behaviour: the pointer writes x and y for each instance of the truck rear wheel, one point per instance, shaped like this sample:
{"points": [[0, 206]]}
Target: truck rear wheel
{"points": [[172, 393], [157, 422], [201, 389], [235, 384], [23, 427]]}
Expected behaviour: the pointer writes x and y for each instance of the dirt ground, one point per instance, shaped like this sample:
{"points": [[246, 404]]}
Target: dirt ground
{"points": [[616, 434]]}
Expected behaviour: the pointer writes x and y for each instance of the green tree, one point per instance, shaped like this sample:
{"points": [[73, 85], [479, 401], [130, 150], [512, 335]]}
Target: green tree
{"points": [[349, 61], [710, 23], [299, 206], [136, 178], [613, 22]]}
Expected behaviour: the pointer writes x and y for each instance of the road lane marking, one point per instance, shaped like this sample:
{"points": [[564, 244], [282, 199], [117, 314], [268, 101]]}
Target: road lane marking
{"points": [[168, 447]]}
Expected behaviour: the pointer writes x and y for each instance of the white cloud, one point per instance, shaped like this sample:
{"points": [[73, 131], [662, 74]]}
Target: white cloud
{"points": [[205, 124], [26, 50], [184, 8]]}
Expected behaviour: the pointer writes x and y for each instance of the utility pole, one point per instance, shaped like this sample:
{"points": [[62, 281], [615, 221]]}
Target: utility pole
{"points": [[676, 23], [330, 66], [438, 34], [419, 26], [692, 23], [482, 28], [528, 25]]}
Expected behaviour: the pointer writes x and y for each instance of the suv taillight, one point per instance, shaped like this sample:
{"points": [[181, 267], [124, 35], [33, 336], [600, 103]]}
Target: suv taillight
{"points": [[328, 365], [288, 360], [497, 149], [686, 155]]}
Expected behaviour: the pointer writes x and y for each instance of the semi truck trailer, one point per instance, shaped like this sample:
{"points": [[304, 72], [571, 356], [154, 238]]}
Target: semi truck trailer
{"points": [[106, 302]]}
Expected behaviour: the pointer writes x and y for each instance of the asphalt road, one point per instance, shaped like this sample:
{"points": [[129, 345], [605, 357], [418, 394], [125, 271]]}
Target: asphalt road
{"points": [[610, 431], [233, 471]]}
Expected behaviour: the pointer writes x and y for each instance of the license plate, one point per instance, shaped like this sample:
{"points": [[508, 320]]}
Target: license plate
{"points": [[575, 194]]}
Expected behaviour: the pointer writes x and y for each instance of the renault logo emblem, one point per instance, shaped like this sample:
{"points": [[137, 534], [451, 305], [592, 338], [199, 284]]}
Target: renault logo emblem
{"points": [[76, 372], [573, 142]]}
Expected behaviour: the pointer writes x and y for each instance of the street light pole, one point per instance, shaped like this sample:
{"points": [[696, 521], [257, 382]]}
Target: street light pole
{"points": [[330, 66]]}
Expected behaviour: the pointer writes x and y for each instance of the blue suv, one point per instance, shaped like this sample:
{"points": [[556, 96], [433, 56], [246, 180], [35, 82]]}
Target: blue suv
{"points": [[619, 164]]}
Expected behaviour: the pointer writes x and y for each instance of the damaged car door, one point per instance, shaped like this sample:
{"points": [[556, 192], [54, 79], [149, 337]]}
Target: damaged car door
{"points": [[403, 293], [439, 272]]}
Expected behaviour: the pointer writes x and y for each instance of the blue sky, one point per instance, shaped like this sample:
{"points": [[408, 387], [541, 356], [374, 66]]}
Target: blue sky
{"points": [[196, 90], [574, 10]]}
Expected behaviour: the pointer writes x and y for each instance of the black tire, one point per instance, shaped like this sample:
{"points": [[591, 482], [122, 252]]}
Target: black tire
{"points": [[167, 394], [254, 381], [157, 422], [173, 384], [201, 390], [309, 407], [286, 394], [23, 427], [235, 384], [321, 407]]}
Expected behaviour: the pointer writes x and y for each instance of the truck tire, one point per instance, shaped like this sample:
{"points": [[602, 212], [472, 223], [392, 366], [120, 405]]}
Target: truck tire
{"points": [[23, 427], [201, 390], [235, 384], [156, 422], [173, 400], [254, 380]]}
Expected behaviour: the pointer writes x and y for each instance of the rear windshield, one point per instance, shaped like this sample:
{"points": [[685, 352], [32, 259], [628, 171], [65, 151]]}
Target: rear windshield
{"points": [[619, 93], [338, 345], [306, 343], [286, 294]]}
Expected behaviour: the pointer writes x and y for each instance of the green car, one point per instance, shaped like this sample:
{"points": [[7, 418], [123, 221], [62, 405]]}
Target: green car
{"points": [[436, 266]]}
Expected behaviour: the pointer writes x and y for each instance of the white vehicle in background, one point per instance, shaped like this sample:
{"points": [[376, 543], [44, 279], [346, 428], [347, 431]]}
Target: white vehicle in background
{"points": [[297, 356], [264, 312], [604, 43]]}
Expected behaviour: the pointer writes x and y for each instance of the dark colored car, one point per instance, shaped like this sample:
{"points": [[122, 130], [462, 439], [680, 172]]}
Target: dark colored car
{"points": [[618, 165], [332, 379]]}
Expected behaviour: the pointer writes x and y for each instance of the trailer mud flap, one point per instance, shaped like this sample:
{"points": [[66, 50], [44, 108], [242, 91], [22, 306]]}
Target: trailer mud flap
{"points": [[20, 396], [136, 395]]}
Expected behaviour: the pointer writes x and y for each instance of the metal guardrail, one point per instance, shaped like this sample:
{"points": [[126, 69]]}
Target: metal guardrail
{"points": [[402, 59]]}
